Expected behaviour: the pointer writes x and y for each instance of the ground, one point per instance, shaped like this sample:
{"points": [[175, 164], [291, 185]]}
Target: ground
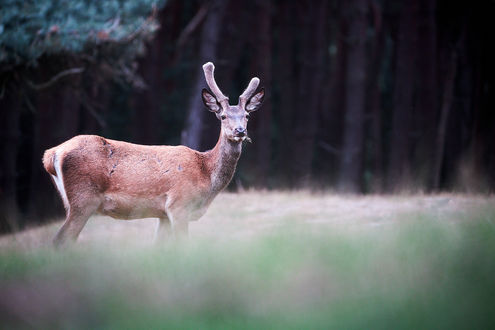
{"points": [[266, 259]]}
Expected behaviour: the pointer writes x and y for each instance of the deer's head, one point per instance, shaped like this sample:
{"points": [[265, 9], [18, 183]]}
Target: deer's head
{"points": [[234, 118]]}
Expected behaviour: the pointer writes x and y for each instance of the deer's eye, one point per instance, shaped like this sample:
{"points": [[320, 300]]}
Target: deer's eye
{"points": [[247, 116], [223, 117]]}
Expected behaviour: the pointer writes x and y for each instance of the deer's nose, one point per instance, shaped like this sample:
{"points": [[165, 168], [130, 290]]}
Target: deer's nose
{"points": [[240, 131]]}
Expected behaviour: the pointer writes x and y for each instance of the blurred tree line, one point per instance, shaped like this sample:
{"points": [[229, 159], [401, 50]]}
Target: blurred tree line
{"points": [[373, 96]]}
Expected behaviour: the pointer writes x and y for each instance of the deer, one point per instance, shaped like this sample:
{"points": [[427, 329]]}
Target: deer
{"points": [[176, 184]]}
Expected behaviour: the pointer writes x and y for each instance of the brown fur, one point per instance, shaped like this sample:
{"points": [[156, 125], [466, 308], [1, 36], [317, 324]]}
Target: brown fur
{"points": [[119, 172]]}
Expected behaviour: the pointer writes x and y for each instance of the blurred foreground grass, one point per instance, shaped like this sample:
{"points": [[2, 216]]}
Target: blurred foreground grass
{"points": [[266, 260]]}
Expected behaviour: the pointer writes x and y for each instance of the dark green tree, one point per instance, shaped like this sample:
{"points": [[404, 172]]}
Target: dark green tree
{"points": [[55, 58]]}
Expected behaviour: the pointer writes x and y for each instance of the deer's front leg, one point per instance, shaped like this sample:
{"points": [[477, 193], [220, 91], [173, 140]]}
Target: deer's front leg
{"points": [[180, 224], [180, 220], [163, 230]]}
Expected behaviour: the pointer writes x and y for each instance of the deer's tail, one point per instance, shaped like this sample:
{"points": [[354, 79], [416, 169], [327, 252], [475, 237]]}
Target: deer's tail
{"points": [[49, 161]]}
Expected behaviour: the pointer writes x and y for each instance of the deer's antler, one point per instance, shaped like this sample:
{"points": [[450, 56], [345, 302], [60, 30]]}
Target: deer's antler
{"points": [[209, 69], [253, 84]]}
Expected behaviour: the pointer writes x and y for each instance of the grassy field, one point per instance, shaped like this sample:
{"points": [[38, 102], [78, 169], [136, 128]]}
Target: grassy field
{"points": [[268, 260]]}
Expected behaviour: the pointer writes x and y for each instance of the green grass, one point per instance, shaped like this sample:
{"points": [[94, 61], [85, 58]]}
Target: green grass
{"points": [[419, 267]]}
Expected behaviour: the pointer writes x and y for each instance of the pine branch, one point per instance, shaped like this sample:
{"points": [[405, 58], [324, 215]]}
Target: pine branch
{"points": [[54, 79], [190, 28]]}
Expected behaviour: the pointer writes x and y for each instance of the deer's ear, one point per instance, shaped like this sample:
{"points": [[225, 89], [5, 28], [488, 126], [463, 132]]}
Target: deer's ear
{"points": [[210, 101], [255, 101]]}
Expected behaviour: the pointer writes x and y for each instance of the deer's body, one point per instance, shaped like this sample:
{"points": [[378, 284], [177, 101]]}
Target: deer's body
{"points": [[123, 175], [129, 181]]}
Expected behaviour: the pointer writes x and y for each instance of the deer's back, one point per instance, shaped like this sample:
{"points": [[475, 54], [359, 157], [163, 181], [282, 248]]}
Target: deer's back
{"points": [[138, 170]]}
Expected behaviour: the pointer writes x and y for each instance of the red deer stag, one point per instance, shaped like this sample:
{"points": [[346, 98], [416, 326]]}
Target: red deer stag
{"points": [[129, 181]]}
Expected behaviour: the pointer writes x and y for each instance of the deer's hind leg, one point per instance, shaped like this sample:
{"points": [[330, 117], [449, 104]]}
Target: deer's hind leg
{"points": [[163, 230], [77, 217]]}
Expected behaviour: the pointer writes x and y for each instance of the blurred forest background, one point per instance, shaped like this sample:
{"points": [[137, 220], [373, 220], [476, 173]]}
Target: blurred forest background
{"points": [[364, 96]]}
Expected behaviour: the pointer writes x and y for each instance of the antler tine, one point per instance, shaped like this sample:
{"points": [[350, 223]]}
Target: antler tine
{"points": [[209, 69], [253, 84]]}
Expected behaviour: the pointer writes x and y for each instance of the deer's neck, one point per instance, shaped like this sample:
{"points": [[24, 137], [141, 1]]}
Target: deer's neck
{"points": [[223, 161]]}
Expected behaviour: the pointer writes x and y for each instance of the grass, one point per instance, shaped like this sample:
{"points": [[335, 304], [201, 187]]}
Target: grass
{"points": [[266, 260]]}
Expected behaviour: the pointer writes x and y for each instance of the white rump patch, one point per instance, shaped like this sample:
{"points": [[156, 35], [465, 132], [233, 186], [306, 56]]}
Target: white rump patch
{"points": [[59, 182]]}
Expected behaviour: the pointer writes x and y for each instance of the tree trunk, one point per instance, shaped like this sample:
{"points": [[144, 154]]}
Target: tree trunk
{"points": [[9, 138], [399, 169], [191, 135], [427, 94], [309, 89], [355, 92], [262, 68], [448, 93], [374, 100], [332, 111], [285, 71], [147, 103]]}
